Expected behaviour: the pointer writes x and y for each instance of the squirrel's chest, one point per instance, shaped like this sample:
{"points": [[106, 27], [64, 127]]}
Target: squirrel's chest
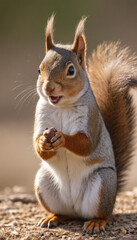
{"points": [[71, 121], [68, 121], [65, 121]]}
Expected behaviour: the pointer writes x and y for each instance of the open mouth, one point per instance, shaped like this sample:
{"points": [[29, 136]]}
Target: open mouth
{"points": [[54, 99]]}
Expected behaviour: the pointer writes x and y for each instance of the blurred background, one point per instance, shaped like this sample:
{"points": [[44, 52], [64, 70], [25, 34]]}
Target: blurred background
{"points": [[22, 47]]}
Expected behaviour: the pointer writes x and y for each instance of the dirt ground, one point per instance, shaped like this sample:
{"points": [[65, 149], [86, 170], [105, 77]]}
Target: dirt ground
{"points": [[19, 214]]}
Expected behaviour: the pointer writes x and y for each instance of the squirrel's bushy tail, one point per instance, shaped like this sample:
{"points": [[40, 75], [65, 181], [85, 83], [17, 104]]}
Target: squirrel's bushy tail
{"points": [[112, 72]]}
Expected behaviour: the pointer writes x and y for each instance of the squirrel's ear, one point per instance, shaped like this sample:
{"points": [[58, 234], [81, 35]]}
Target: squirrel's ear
{"points": [[79, 44], [49, 34]]}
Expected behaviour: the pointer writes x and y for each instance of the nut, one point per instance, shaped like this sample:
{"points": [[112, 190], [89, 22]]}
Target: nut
{"points": [[49, 133]]}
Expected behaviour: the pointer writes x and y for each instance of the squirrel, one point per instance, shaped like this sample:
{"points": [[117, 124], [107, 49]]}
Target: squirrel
{"points": [[86, 154]]}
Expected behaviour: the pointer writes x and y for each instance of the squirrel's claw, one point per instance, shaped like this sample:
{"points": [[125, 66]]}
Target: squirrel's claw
{"points": [[58, 141], [47, 222], [44, 144], [51, 221], [94, 226]]}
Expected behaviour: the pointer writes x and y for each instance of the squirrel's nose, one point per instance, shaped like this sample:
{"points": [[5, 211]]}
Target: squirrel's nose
{"points": [[49, 88]]}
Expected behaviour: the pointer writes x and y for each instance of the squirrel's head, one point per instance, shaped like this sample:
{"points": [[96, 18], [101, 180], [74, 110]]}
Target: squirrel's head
{"points": [[62, 73]]}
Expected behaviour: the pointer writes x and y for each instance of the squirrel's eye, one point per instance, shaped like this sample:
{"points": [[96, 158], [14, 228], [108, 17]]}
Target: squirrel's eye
{"points": [[71, 70], [39, 71]]}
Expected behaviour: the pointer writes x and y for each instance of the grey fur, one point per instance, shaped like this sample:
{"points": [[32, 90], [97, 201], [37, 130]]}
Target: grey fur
{"points": [[109, 178]]}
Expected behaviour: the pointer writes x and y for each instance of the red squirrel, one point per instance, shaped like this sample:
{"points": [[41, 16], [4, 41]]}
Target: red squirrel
{"points": [[86, 155]]}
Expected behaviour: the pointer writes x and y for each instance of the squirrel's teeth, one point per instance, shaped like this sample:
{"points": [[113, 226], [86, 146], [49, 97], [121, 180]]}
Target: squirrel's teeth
{"points": [[54, 99]]}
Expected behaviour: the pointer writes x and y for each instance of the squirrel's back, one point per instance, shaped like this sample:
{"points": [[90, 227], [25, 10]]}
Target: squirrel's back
{"points": [[112, 72]]}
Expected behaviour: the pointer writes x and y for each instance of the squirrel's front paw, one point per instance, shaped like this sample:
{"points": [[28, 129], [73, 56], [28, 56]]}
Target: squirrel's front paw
{"points": [[58, 140], [44, 144]]}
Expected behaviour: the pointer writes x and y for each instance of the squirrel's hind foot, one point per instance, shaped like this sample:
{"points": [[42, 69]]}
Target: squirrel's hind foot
{"points": [[51, 221], [94, 226]]}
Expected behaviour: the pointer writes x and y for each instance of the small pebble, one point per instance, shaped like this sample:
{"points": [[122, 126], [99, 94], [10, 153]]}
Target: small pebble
{"points": [[123, 231]]}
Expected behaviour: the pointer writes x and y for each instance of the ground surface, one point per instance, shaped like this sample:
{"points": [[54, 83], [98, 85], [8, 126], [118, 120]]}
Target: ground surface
{"points": [[19, 214]]}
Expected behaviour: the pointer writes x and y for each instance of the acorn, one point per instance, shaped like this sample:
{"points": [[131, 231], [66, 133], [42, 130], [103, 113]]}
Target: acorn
{"points": [[49, 133]]}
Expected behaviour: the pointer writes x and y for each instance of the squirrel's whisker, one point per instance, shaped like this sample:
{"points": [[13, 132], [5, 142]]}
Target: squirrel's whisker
{"points": [[25, 96]]}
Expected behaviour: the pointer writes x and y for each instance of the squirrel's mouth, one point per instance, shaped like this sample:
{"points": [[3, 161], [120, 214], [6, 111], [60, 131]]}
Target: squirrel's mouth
{"points": [[54, 99]]}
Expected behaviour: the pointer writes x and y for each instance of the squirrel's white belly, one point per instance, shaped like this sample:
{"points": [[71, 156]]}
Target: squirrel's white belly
{"points": [[75, 193], [71, 174]]}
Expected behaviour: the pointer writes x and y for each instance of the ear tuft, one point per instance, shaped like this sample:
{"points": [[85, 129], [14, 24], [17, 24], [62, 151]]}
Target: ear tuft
{"points": [[79, 44], [49, 33], [80, 27]]}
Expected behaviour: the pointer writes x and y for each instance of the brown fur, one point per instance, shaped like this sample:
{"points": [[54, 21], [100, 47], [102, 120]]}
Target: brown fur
{"points": [[112, 72], [78, 143], [93, 161], [53, 71]]}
